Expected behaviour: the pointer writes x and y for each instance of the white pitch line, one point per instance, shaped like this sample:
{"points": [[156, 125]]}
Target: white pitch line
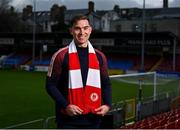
{"points": [[21, 124]]}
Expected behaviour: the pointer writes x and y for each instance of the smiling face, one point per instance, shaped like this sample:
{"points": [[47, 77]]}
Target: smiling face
{"points": [[81, 31]]}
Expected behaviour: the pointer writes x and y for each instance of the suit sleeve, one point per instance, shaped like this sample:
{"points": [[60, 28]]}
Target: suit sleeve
{"points": [[52, 79], [105, 83]]}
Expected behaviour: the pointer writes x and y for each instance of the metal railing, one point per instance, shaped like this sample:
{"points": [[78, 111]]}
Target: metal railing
{"points": [[47, 120], [25, 123]]}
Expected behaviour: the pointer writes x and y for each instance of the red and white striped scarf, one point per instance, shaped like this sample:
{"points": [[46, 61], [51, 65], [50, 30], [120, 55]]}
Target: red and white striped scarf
{"points": [[88, 97]]}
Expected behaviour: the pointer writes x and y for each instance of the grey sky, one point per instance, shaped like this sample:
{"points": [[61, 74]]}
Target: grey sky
{"points": [[99, 4]]}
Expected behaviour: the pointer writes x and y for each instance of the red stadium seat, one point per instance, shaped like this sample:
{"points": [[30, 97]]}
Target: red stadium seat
{"points": [[163, 121], [177, 116], [160, 127], [144, 126], [154, 125], [177, 124], [172, 119], [170, 125]]}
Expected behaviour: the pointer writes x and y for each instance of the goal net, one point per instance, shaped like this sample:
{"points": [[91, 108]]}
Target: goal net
{"points": [[143, 86]]}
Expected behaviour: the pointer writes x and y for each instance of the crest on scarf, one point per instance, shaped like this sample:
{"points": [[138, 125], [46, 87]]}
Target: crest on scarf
{"points": [[94, 97]]}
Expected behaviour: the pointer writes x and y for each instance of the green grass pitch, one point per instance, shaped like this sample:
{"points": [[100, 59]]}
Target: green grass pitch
{"points": [[23, 96]]}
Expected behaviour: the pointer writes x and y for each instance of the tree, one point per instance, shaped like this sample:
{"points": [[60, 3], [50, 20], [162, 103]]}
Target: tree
{"points": [[4, 4], [116, 8], [10, 19]]}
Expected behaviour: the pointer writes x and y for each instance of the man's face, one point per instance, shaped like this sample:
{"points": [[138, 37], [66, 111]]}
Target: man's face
{"points": [[81, 31]]}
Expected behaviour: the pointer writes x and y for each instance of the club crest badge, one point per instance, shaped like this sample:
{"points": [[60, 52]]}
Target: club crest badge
{"points": [[94, 97]]}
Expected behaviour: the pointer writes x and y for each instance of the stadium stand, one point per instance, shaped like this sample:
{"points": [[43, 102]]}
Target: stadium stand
{"points": [[2, 58], [120, 64], [16, 59], [178, 63], [44, 61], [118, 58], [166, 65], [166, 120], [131, 61], [149, 62]]}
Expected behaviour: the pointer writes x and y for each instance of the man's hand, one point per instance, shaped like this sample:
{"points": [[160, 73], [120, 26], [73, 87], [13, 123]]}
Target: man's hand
{"points": [[73, 110], [102, 110]]}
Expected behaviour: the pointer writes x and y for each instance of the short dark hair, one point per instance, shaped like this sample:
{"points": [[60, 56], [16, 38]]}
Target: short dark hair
{"points": [[78, 17]]}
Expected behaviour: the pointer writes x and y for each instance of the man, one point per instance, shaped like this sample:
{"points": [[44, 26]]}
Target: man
{"points": [[78, 80]]}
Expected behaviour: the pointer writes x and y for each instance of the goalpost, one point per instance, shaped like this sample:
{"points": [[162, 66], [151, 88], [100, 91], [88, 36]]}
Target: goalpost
{"points": [[145, 78], [148, 84]]}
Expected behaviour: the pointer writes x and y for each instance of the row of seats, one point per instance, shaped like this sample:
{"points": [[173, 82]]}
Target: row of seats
{"points": [[123, 60], [16, 59], [166, 65], [132, 61], [120, 64], [167, 120], [22, 58], [42, 62], [115, 61]]}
